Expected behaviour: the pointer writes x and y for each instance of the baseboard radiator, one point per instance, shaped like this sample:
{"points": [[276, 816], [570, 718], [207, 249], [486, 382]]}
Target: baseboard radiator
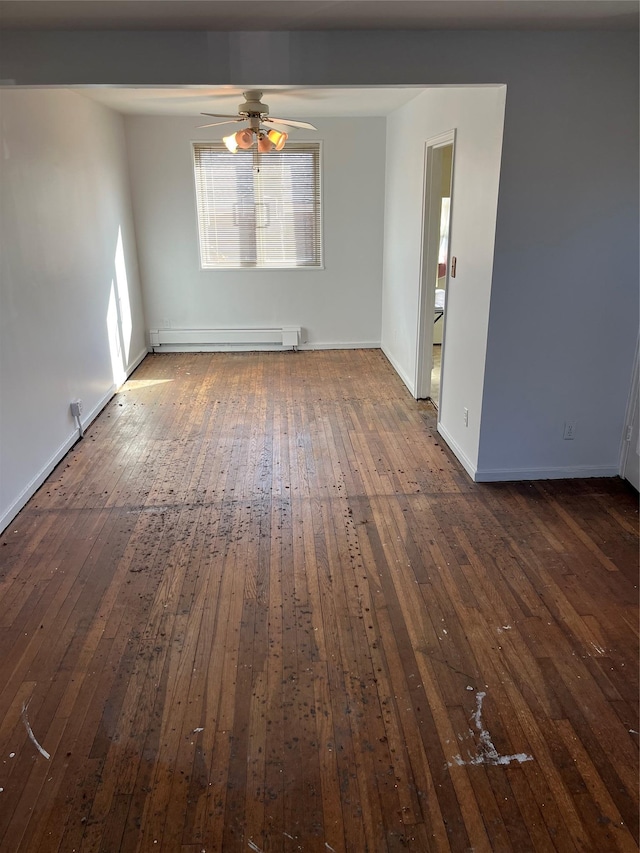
{"points": [[286, 337]]}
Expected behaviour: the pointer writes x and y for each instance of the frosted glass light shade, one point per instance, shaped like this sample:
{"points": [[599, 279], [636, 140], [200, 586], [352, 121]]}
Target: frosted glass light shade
{"points": [[231, 142], [244, 139], [278, 138]]}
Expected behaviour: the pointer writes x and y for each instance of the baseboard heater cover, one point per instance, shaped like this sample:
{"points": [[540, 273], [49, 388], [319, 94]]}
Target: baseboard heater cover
{"points": [[286, 336]]}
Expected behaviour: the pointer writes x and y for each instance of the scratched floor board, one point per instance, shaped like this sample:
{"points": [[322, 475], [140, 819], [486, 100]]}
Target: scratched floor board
{"points": [[278, 616]]}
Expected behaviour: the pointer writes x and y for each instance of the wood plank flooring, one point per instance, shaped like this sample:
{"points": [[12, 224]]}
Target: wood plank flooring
{"points": [[260, 607]]}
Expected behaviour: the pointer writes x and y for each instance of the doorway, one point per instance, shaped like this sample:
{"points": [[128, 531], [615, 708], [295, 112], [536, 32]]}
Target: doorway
{"points": [[435, 266]]}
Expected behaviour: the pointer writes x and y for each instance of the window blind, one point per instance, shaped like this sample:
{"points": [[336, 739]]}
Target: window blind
{"points": [[258, 210]]}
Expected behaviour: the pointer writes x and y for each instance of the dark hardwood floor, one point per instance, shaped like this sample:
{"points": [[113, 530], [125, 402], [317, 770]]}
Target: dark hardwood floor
{"points": [[260, 607]]}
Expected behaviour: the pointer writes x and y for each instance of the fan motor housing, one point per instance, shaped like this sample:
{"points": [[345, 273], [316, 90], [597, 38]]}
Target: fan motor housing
{"points": [[252, 104]]}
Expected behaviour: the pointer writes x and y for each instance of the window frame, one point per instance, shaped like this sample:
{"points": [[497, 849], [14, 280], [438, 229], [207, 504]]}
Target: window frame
{"points": [[279, 269]]}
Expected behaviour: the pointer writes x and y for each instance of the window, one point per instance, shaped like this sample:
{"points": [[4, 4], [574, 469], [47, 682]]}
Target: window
{"points": [[258, 210]]}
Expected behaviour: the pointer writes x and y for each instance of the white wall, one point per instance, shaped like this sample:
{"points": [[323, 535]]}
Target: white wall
{"points": [[64, 334], [477, 115], [564, 302], [566, 249], [339, 305]]}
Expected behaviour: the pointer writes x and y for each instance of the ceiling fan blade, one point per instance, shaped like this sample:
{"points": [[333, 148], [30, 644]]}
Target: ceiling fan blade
{"points": [[216, 123], [272, 125], [290, 123], [224, 115]]}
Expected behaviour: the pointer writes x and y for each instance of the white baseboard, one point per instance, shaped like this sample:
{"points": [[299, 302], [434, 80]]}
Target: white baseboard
{"points": [[137, 361], [408, 382], [347, 345], [500, 475], [32, 487], [459, 453], [504, 475]]}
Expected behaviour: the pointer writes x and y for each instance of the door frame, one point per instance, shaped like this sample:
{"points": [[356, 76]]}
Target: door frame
{"points": [[429, 262]]}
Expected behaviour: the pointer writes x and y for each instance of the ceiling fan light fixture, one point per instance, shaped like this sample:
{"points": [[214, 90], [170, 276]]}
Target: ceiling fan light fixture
{"points": [[278, 139], [264, 143], [255, 112]]}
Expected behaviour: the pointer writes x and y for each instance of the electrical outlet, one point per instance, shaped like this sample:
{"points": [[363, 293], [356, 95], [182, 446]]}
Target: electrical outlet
{"points": [[76, 408], [569, 430], [465, 415]]}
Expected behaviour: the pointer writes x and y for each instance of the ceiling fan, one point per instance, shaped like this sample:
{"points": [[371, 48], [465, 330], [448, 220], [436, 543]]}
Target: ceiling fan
{"points": [[254, 111]]}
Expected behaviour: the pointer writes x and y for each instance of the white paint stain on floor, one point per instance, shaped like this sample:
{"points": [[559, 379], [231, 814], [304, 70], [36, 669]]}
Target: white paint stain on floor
{"points": [[40, 749], [486, 753]]}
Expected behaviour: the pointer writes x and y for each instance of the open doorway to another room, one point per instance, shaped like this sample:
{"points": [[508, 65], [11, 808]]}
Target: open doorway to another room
{"points": [[445, 155], [434, 276]]}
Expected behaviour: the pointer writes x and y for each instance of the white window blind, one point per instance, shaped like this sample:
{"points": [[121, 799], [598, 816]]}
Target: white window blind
{"points": [[258, 210]]}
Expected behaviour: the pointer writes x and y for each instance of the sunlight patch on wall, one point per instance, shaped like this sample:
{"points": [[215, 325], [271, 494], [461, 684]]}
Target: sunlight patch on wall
{"points": [[124, 302]]}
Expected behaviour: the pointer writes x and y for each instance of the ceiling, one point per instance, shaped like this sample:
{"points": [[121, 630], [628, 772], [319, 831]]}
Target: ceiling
{"points": [[283, 101], [248, 15]]}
